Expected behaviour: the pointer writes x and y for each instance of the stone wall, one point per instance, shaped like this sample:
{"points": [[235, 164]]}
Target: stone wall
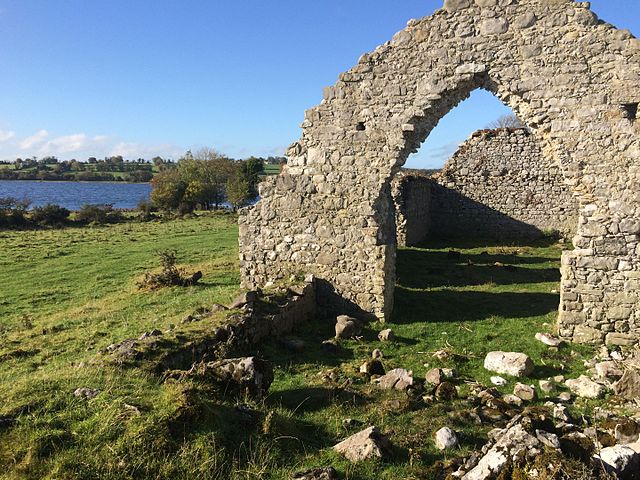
{"points": [[412, 200], [573, 79]]}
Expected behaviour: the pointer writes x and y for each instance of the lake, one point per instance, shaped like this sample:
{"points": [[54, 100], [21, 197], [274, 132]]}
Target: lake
{"points": [[73, 195]]}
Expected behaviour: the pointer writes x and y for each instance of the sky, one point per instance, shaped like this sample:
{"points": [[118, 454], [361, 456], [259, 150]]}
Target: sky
{"points": [[138, 78]]}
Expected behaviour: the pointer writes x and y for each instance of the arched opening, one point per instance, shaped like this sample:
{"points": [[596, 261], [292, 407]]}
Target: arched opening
{"points": [[482, 214]]}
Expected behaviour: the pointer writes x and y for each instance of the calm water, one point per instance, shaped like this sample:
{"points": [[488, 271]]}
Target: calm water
{"points": [[73, 195]]}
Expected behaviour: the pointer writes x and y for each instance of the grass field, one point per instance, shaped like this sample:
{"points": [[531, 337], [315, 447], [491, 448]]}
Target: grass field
{"points": [[68, 294]]}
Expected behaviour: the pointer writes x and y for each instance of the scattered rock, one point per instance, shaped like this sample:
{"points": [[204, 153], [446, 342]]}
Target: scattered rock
{"points": [[250, 374], [245, 299], [609, 369], [512, 400], [398, 378], [330, 346], [328, 473], [434, 376], [86, 393], [628, 386], [446, 391], [152, 333], [621, 460], [564, 397], [525, 392], [550, 440], [216, 307], [514, 443], [446, 438], [347, 327], [351, 423], [377, 354], [509, 363], [386, 335], [365, 444], [560, 412], [584, 387], [498, 381], [449, 373], [547, 386], [548, 339], [372, 367]]}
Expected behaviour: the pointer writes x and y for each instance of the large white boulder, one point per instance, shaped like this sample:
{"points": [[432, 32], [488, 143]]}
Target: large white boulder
{"points": [[509, 363]]}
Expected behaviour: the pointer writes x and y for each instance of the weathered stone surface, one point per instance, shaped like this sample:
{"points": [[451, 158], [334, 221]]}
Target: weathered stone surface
{"points": [[515, 442], [621, 460], [434, 376], [498, 381], [86, 393], [579, 93], [609, 369], [365, 444], [548, 339], [327, 473], [398, 378], [249, 374], [525, 392], [628, 386], [386, 335], [347, 327], [584, 387], [446, 438], [509, 363]]}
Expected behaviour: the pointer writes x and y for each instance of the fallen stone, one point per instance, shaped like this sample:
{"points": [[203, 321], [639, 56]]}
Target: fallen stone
{"points": [[398, 378], [377, 354], [330, 346], [434, 376], [546, 386], [449, 373], [550, 440], [577, 445], [621, 460], [295, 345], [628, 387], [216, 307], [386, 335], [498, 381], [584, 387], [246, 298], [86, 393], [372, 367], [347, 327], [328, 473], [509, 363], [446, 438], [525, 392], [249, 374], [609, 369], [514, 443], [548, 339], [446, 391], [365, 444], [511, 399], [564, 397], [560, 412]]}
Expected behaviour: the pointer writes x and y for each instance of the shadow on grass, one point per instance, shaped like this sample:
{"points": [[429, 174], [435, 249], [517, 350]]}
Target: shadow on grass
{"points": [[456, 306], [312, 399]]}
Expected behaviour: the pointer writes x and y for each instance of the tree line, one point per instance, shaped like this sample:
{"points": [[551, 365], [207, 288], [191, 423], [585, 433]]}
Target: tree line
{"points": [[206, 179]]}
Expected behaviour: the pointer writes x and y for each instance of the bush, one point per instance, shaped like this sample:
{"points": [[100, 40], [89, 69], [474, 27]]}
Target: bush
{"points": [[50, 215], [147, 210], [170, 275], [12, 212], [100, 214]]}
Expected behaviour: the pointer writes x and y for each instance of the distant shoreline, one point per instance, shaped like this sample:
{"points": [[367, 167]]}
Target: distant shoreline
{"points": [[118, 182]]}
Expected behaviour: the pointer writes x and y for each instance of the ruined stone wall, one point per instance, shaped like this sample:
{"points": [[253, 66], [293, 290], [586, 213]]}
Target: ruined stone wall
{"points": [[412, 200], [500, 185], [571, 78]]}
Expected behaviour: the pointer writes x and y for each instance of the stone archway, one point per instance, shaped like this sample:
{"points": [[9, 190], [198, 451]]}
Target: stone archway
{"points": [[571, 78]]}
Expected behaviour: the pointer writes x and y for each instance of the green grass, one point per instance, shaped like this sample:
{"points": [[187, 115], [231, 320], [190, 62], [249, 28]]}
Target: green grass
{"points": [[68, 294]]}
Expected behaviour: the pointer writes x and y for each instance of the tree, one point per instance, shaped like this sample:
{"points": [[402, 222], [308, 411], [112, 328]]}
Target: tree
{"points": [[238, 191], [507, 121], [168, 189], [251, 169]]}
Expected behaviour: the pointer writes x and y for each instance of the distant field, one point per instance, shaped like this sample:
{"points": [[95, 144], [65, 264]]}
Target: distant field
{"points": [[68, 294]]}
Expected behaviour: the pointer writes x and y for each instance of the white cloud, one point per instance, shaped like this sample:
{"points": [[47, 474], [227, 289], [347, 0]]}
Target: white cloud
{"points": [[35, 139], [4, 136]]}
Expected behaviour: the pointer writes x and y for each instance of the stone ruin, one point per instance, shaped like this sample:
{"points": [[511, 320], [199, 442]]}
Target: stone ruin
{"points": [[573, 79], [498, 185]]}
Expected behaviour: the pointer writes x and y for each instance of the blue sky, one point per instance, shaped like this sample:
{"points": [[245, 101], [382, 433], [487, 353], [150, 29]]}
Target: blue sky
{"points": [[145, 78]]}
